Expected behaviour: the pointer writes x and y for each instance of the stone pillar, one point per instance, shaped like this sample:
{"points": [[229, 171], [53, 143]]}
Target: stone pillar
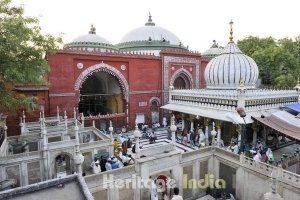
{"points": [[111, 146], [192, 124], [196, 175], [45, 152], [173, 128], [218, 125], [183, 121], [24, 123], [66, 121], [79, 158], [24, 174], [94, 124], [255, 129], [213, 134], [5, 132], [206, 132], [58, 117], [21, 126], [137, 135], [241, 183]]}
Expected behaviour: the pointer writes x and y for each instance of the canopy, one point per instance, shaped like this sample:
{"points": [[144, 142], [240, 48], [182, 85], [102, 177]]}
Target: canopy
{"points": [[280, 125]]}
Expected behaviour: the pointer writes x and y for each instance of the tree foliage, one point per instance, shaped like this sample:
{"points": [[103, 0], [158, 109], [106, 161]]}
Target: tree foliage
{"points": [[278, 60], [22, 54]]}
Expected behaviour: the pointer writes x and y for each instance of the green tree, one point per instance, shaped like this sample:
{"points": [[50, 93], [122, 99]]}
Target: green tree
{"points": [[22, 55], [278, 61]]}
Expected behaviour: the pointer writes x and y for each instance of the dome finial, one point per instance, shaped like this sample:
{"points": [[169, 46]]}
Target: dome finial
{"points": [[215, 45], [231, 31], [92, 30], [150, 23]]}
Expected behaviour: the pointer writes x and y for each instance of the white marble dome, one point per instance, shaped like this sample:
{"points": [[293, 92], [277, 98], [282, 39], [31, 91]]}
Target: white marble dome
{"points": [[231, 68], [149, 37], [90, 42], [213, 51]]}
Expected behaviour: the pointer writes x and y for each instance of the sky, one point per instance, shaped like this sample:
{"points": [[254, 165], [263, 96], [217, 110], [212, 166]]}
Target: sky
{"points": [[195, 22]]}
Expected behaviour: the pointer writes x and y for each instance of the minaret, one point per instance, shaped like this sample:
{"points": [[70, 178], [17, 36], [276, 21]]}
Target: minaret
{"points": [[137, 135], [273, 195], [111, 129], [24, 123], [44, 144], [173, 128], [78, 158]]}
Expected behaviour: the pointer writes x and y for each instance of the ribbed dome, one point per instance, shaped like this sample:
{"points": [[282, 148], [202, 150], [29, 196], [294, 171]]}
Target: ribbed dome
{"points": [[213, 51], [230, 69], [90, 42], [150, 37]]}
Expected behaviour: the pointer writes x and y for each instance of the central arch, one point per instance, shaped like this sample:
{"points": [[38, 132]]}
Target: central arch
{"points": [[103, 67]]}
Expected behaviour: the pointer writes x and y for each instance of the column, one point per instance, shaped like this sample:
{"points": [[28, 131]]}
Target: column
{"points": [[21, 126], [192, 124], [58, 117], [183, 121], [173, 129], [24, 124], [218, 125], [196, 175], [137, 135], [255, 129], [206, 131], [79, 158], [44, 152], [111, 146], [24, 174]]}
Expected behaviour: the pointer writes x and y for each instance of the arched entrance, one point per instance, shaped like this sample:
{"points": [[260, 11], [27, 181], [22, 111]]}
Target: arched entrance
{"points": [[182, 79], [103, 90], [154, 109], [62, 165], [100, 94], [181, 82]]}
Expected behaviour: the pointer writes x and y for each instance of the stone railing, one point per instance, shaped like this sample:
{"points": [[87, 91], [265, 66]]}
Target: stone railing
{"points": [[282, 175], [61, 144], [91, 145], [205, 105], [20, 157], [222, 152], [291, 177], [197, 152], [97, 180], [156, 151], [260, 167]]}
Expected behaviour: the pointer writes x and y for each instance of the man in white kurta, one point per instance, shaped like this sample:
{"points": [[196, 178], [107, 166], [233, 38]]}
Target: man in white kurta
{"points": [[153, 191]]}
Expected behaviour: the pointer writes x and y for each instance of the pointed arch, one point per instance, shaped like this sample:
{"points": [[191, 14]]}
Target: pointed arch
{"points": [[103, 67], [184, 74]]}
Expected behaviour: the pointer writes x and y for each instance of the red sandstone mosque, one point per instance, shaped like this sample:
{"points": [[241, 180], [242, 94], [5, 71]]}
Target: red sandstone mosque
{"points": [[125, 83]]}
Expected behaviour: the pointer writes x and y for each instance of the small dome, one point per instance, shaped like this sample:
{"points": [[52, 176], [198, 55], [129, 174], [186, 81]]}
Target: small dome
{"points": [[213, 51], [90, 42], [150, 37], [230, 69]]}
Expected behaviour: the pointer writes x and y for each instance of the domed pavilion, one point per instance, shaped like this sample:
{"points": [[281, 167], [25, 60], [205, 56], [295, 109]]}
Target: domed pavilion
{"points": [[232, 102]]}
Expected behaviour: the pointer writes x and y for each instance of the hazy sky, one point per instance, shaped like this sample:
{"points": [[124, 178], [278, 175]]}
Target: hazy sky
{"points": [[195, 22]]}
